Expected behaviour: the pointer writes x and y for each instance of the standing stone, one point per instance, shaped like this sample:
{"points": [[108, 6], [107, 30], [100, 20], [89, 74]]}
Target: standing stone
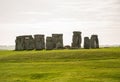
{"points": [[39, 42], [19, 43], [94, 41], [57, 41], [76, 40], [24, 42], [97, 42], [49, 43], [29, 42], [86, 42]]}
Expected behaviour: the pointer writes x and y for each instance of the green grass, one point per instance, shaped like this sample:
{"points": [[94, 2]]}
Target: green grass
{"points": [[93, 65]]}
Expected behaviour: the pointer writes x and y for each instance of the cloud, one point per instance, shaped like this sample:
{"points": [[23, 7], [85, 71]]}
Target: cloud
{"points": [[35, 13], [48, 16]]}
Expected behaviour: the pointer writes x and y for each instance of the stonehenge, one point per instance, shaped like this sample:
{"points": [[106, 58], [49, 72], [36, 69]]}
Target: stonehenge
{"points": [[49, 43], [19, 43], [25, 42], [57, 41], [39, 42], [54, 42], [77, 39], [94, 41], [28, 42], [86, 42]]}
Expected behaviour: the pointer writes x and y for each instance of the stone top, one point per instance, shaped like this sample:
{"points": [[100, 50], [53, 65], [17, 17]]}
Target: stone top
{"points": [[48, 37], [77, 32], [86, 37], [24, 36], [39, 35], [57, 34]]}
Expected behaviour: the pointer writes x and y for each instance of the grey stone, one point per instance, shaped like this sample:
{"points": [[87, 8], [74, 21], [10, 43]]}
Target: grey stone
{"points": [[29, 42], [86, 42], [57, 41], [39, 42], [76, 40], [25, 42], [94, 41], [19, 43], [49, 43]]}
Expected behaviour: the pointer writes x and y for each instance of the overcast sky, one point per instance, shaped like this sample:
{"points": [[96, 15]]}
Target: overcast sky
{"points": [[20, 17]]}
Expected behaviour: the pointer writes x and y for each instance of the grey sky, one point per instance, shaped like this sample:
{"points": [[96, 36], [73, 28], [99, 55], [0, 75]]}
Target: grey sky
{"points": [[19, 17]]}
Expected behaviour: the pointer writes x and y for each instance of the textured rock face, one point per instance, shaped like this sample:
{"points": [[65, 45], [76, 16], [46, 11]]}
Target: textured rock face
{"points": [[29, 42], [86, 42], [94, 41], [19, 43], [57, 41], [24, 42], [76, 40], [39, 42], [49, 43]]}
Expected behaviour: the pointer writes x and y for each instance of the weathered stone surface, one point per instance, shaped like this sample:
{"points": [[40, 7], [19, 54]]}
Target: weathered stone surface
{"points": [[29, 42], [97, 42], [49, 43], [94, 41], [39, 42], [76, 40], [57, 41], [86, 42], [24, 42], [19, 43]]}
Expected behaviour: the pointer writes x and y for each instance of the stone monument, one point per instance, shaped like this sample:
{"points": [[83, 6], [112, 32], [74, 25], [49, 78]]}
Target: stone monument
{"points": [[25, 42], [57, 41], [76, 39], [28, 42], [86, 42], [39, 42], [19, 43], [49, 43], [94, 41]]}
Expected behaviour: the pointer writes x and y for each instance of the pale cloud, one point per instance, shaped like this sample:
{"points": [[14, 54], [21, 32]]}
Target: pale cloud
{"points": [[19, 17]]}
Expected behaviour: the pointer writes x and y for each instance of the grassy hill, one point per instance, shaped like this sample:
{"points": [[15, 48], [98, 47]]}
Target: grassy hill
{"points": [[93, 65]]}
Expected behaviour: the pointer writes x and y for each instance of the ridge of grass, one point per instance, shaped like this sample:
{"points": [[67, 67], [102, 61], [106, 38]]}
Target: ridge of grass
{"points": [[80, 65]]}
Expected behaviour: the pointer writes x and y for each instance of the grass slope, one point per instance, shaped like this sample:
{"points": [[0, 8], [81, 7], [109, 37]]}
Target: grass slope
{"points": [[93, 65]]}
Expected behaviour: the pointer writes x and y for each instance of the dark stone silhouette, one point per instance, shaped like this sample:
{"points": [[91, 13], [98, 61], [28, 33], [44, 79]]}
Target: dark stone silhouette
{"points": [[86, 42], [19, 43], [24, 42], [94, 41], [27, 42], [39, 42], [49, 43], [76, 40], [57, 41]]}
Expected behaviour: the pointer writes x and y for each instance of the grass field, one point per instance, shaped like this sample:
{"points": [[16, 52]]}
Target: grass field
{"points": [[93, 65]]}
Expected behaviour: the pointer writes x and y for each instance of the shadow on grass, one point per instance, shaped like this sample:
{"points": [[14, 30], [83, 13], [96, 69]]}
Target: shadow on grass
{"points": [[43, 75]]}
